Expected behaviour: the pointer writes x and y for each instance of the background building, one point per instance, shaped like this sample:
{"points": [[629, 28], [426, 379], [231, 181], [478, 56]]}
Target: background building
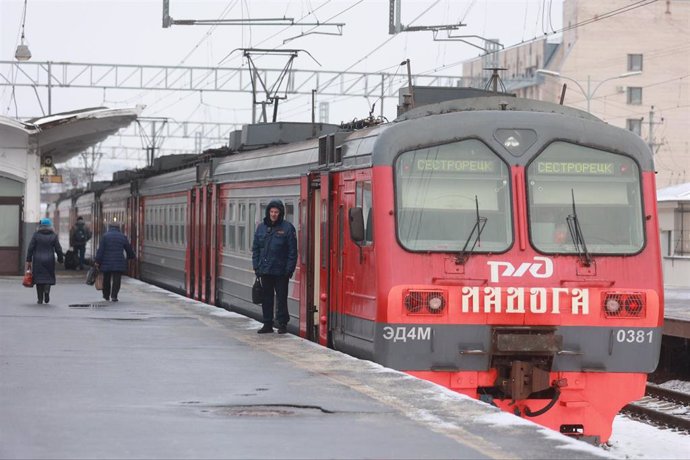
{"points": [[630, 66]]}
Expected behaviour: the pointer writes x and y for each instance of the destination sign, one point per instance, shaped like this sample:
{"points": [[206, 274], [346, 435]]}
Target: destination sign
{"points": [[482, 166], [576, 167]]}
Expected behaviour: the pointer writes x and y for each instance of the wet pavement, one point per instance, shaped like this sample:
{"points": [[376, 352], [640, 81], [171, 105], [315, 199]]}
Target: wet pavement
{"points": [[160, 376]]}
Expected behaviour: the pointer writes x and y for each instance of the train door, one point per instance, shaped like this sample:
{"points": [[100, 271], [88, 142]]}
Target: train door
{"points": [[203, 243], [195, 225], [309, 255], [321, 256], [213, 242], [132, 220], [189, 242], [142, 234]]}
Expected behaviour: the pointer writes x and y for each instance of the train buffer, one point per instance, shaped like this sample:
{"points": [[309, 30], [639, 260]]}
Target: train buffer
{"points": [[156, 375]]}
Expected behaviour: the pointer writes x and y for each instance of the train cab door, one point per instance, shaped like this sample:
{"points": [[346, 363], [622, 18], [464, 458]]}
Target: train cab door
{"points": [[189, 242], [196, 225], [342, 197], [204, 237], [213, 238], [205, 242], [322, 245]]}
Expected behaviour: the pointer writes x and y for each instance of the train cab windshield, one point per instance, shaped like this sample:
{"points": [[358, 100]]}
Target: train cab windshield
{"points": [[600, 189], [441, 189]]}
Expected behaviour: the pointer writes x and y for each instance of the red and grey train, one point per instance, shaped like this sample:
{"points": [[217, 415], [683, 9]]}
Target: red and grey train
{"points": [[504, 248]]}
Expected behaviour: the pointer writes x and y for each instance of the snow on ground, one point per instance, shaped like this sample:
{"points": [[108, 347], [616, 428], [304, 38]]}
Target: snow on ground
{"points": [[632, 440], [678, 385]]}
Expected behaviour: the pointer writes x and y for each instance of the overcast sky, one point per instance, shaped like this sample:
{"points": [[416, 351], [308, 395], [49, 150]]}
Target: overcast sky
{"points": [[130, 32]]}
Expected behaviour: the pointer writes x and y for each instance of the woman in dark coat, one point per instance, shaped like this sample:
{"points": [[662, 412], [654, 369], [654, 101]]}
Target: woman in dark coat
{"points": [[40, 258], [110, 259]]}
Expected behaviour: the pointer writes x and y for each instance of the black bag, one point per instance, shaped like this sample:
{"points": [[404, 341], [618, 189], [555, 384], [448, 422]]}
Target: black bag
{"points": [[71, 260], [257, 291], [91, 276]]}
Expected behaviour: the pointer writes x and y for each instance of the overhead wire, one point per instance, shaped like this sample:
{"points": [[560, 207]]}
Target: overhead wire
{"points": [[258, 44]]}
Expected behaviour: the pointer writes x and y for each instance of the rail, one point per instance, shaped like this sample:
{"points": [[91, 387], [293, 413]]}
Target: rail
{"points": [[662, 406]]}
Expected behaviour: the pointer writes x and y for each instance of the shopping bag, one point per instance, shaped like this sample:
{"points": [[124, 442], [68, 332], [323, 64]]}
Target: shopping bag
{"points": [[28, 280], [257, 291], [91, 276], [99, 281]]}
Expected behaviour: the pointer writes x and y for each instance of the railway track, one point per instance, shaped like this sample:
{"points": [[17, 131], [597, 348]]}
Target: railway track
{"points": [[662, 406]]}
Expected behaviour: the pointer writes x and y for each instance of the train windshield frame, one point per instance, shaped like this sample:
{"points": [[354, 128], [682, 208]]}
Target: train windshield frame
{"points": [[600, 191], [442, 191]]}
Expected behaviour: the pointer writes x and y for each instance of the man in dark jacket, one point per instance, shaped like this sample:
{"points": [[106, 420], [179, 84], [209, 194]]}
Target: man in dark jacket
{"points": [[40, 258], [274, 258], [110, 259], [78, 237]]}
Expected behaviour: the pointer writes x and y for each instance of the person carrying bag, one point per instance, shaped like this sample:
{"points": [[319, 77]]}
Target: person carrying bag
{"points": [[40, 259]]}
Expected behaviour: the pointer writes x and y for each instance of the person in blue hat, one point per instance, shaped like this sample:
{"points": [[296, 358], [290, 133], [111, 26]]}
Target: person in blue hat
{"points": [[40, 258]]}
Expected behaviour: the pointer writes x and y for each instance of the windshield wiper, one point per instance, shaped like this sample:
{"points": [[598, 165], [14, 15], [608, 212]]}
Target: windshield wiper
{"points": [[479, 224], [577, 236]]}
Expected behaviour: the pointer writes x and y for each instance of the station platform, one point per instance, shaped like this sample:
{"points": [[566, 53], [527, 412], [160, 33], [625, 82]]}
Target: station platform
{"points": [[677, 312], [157, 375]]}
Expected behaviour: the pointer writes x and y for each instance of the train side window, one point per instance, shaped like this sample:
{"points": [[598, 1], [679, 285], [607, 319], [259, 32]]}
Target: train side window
{"points": [[183, 220], [157, 227], [184, 225], [251, 219], [231, 226], [363, 200], [289, 211], [291, 215], [242, 227], [159, 221], [223, 225], [178, 225], [166, 225], [170, 225]]}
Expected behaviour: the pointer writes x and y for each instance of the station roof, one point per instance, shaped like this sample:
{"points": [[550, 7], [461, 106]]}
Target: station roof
{"points": [[64, 135]]}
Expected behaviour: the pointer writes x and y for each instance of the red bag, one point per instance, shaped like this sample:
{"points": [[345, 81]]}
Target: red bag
{"points": [[28, 280]]}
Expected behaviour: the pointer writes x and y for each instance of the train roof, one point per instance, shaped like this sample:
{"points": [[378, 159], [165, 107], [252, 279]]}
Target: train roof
{"points": [[494, 103], [485, 117]]}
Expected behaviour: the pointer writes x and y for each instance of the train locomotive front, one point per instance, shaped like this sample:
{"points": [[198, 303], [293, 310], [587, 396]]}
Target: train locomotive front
{"points": [[509, 252]]}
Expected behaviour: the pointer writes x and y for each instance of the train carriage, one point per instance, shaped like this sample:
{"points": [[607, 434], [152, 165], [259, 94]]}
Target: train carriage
{"points": [[247, 181], [504, 248], [166, 221]]}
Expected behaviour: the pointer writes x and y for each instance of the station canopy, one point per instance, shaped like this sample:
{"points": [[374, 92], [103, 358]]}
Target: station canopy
{"points": [[62, 136]]}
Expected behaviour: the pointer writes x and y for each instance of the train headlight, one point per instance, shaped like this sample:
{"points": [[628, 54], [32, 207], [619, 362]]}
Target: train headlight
{"points": [[624, 304], [612, 305], [435, 303]]}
